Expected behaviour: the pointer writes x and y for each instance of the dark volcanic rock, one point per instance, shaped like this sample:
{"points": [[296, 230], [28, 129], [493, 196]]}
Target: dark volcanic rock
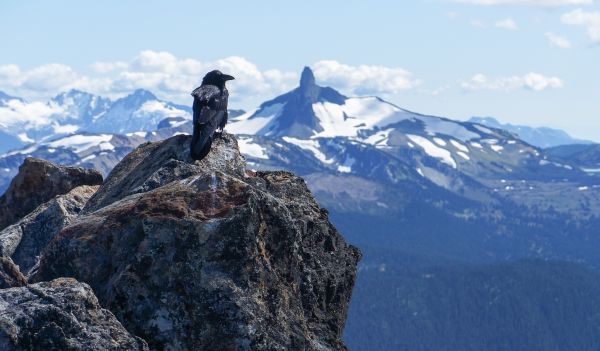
{"points": [[25, 240], [203, 256], [10, 275], [60, 315], [37, 182]]}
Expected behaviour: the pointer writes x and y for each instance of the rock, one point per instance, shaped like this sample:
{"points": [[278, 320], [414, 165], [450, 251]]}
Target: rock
{"points": [[155, 164], [204, 256], [60, 315], [37, 182], [25, 240], [10, 275]]}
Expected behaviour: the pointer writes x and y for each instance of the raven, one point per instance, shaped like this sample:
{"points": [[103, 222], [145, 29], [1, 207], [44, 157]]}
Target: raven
{"points": [[210, 112]]}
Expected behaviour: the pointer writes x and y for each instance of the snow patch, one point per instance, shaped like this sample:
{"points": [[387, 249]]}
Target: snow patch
{"points": [[440, 142], [155, 107], [247, 147], [310, 145], [65, 128], [138, 134], [255, 122], [463, 155], [379, 139], [79, 143], [483, 129], [497, 148], [432, 150], [346, 167], [459, 146], [24, 138]]}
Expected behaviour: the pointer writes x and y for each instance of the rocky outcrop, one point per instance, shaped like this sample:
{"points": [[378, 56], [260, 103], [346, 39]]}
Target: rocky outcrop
{"points": [[25, 240], [60, 315], [10, 275], [39, 181], [205, 256], [153, 165]]}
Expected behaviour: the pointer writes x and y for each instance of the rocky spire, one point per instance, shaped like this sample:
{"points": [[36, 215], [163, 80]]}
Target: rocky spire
{"points": [[308, 78]]}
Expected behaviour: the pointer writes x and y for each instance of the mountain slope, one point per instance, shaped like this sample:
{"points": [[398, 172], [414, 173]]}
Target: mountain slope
{"points": [[79, 112], [543, 137], [586, 156]]}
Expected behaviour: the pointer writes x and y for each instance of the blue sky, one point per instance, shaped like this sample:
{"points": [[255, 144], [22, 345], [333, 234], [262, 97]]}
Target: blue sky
{"points": [[523, 61]]}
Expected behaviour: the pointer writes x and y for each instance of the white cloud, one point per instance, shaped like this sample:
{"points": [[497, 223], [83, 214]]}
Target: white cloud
{"points": [[528, 2], [158, 71], [173, 78], [105, 67], [364, 79], [558, 41], [164, 73], [589, 20], [508, 23], [9, 75], [532, 81], [17, 114], [48, 77]]}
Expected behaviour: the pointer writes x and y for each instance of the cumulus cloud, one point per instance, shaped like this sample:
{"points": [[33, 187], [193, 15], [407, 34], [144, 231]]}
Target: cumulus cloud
{"points": [[531, 81], [558, 41], [589, 20], [508, 23], [161, 72], [173, 78], [364, 79], [18, 114], [9, 75], [528, 2]]}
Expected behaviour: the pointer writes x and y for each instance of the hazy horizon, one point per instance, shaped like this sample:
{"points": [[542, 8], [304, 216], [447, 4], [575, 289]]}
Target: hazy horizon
{"points": [[520, 61]]}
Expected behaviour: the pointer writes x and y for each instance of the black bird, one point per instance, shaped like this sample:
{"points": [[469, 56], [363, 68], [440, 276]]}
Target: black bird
{"points": [[210, 112]]}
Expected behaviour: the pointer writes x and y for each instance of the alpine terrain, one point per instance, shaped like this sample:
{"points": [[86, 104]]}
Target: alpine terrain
{"points": [[474, 237]]}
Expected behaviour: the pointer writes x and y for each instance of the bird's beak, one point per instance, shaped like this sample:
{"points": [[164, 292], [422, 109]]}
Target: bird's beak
{"points": [[227, 77]]}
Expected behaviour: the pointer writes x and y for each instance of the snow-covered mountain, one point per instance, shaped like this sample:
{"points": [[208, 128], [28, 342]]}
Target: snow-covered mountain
{"points": [[377, 140], [543, 137], [139, 111], [314, 129], [23, 122]]}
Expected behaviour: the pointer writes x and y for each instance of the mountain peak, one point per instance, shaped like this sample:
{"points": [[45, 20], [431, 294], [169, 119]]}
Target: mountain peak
{"points": [[307, 79], [73, 93], [144, 94]]}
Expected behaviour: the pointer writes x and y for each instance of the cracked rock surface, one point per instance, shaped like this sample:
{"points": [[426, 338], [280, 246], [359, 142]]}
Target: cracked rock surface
{"points": [[62, 314], [25, 240]]}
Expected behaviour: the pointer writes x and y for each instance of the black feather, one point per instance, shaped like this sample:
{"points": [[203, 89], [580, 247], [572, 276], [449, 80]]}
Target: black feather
{"points": [[210, 113]]}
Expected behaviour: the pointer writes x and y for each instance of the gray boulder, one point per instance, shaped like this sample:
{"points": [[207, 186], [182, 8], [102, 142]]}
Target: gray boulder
{"points": [[60, 315], [37, 182], [25, 240], [206, 256]]}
